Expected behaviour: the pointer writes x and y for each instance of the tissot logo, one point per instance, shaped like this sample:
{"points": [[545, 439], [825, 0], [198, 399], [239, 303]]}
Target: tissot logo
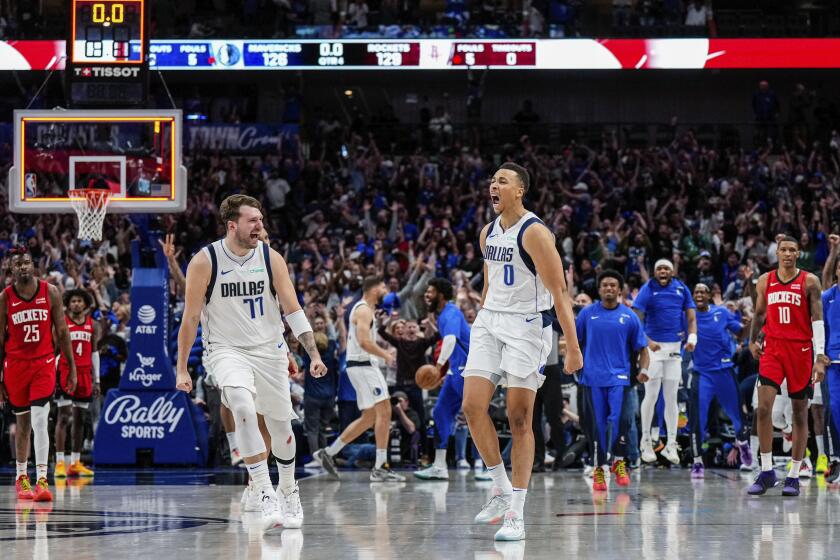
{"points": [[106, 72]]}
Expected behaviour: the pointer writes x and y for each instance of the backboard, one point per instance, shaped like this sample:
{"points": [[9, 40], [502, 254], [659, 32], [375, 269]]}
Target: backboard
{"points": [[134, 153]]}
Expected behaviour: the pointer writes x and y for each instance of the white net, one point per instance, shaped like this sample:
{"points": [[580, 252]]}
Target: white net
{"points": [[90, 206]]}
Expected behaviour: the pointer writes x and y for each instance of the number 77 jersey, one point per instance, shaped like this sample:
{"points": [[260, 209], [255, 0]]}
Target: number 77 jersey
{"points": [[512, 282], [28, 324], [788, 308], [241, 308]]}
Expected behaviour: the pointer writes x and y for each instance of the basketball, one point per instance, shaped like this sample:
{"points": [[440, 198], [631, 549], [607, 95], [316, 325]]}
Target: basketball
{"points": [[427, 377]]}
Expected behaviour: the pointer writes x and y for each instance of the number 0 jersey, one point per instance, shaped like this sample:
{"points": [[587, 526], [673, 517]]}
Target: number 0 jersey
{"points": [[240, 309], [512, 282], [28, 324], [788, 309]]}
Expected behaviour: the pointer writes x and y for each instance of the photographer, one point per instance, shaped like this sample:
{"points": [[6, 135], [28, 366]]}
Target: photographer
{"points": [[408, 421]]}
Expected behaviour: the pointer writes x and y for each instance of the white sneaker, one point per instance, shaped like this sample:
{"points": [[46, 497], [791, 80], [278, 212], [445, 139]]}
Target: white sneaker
{"points": [[272, 515], [478, 465], [432, 472], [806, 470], [549, 460], [250, 500], [671, 453], [494, 510], [235, 458], [588, 471], [483, 475], [293, 511], [385, 474], [513, 528], [463, 464], [648, 456]]}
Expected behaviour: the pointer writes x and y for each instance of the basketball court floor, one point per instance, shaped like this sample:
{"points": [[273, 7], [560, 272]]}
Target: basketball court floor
{"points": [[196, 514]]}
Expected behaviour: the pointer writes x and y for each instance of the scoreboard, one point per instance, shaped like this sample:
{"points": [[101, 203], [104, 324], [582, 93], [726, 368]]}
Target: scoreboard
{"points": [[346, 54]]}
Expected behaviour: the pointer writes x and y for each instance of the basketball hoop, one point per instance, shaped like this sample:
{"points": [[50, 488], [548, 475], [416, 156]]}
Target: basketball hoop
{"points": [[90, 206]]}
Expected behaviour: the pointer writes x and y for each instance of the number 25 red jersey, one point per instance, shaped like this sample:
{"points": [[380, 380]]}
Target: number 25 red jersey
{"points": [[28, 324], [788, 309]]}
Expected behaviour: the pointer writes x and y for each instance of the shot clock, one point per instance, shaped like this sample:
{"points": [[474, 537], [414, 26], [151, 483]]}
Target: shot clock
{"points": [[107, 54]]}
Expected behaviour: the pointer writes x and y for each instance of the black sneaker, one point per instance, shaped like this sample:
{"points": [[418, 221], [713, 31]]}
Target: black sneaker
{"points": [[833, 472], [327, 462]]}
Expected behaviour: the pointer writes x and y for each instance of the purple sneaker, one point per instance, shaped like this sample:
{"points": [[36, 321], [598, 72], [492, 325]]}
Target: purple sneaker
{"points": [[697, 470], [763, 482], [745, 451], [791, 487]]}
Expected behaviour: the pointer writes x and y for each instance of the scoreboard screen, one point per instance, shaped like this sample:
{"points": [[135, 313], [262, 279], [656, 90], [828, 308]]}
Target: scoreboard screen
{"points": [[107, 31], [347, 54]]}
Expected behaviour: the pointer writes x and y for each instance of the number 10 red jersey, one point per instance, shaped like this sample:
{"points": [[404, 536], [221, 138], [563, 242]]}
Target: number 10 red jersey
{"points": [[788, 309]]}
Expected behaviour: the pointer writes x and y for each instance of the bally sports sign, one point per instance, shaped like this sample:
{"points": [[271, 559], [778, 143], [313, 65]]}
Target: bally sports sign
{"points": [[147, 414]]}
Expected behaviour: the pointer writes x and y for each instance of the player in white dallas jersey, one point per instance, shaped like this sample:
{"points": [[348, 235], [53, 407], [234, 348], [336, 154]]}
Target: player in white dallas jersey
{"points": [[511, 339], [372, 395], [233, 287]]}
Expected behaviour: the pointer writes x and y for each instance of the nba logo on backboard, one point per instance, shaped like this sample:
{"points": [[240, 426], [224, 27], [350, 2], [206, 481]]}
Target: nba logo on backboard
{"points": [[31, 184]]}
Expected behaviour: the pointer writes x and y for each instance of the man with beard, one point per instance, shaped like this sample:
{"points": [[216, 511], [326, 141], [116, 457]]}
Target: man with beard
{"points": [[372, 395]]}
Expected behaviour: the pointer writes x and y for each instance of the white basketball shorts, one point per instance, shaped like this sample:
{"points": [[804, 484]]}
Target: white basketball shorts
{"points": [[264, 372], [666, 363], [509, 348], [369, 384]]}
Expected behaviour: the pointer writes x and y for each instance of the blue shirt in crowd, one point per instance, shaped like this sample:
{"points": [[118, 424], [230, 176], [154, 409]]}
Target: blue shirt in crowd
{"points": [[664, 308], [452, 322], [714, 341], [607, 337], [831, 318]]}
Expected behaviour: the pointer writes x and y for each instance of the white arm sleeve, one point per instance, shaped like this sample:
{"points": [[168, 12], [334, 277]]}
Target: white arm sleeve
{"points": [[818, 327], [94, 359], [446, 348]]}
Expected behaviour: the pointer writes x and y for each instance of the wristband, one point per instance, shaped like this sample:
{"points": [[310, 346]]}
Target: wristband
{"points": [[298, 323], [692, 339], [643, 371]]}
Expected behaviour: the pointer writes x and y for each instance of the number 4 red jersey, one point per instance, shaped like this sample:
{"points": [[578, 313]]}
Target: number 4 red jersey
{"points": [[81, 341], [788, 309], [28, 324]]}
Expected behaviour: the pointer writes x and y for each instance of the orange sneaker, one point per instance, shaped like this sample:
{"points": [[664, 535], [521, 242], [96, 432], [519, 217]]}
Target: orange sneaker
{"points": [[599, 483], [24, 488], [42, 491], [620, 470], [78, 469], [60, 470]]}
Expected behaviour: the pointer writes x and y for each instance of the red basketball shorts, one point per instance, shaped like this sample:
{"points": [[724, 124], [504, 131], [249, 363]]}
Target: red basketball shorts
{"points": [[29, 382], [84, 385], [787, 359]]}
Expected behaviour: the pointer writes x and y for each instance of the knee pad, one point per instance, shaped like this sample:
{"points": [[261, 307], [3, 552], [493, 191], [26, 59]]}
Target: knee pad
{"points": [[241, 403], [283, 443]]}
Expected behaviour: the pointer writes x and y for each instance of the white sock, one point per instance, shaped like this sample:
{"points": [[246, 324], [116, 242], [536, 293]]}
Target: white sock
{"points": [[766, 462], [231, 437], [381, 458], [259, 474], [20, 468], [754, 443], [820, 445], [500, 478], [59, 457], [794, 469], [40, 472], [517, 501], [287, 476], [698, 460], [440, 458], [335, 447], [75, 458]]}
